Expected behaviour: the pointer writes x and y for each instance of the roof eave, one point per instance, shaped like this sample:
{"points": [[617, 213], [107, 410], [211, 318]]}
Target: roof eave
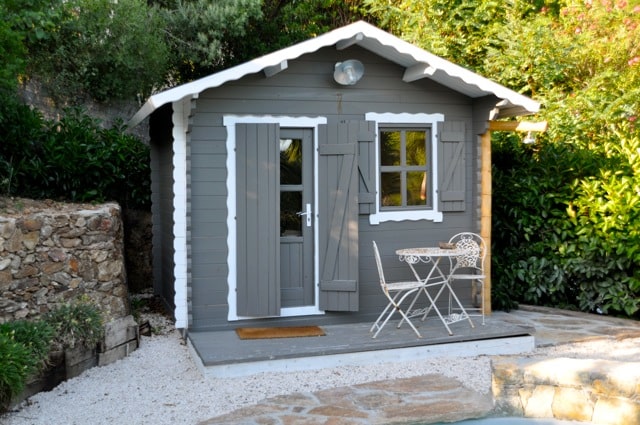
{"points": [[367, 36]]}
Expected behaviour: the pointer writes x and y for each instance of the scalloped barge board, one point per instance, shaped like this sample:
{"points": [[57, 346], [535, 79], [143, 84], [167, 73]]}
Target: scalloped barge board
{"points": [[499, 346]]}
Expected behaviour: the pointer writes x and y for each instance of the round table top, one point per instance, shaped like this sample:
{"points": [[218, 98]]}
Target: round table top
{"points": [[430, 252]]}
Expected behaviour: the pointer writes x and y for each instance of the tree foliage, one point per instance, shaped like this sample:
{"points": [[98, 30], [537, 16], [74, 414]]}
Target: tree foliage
{"points": [[566, 210], [198, 33], [286, 22], [102, 48]]}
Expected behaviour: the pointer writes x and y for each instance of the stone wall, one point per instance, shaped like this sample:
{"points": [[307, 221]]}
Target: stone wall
{"points": [[584, 390], [53, 253]]}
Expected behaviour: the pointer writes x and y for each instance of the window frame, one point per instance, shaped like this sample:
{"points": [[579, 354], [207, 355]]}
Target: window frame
{"points": [[404, 168], [405, 121]]}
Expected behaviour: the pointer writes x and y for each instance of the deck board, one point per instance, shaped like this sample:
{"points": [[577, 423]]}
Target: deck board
{"points": [[223, 353]]}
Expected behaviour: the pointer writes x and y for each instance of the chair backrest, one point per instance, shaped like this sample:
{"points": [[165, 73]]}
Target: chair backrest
{"points": [[379, 264], [475, 251]]}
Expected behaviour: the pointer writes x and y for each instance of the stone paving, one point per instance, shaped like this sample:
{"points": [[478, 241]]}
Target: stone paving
{"points": [[432, 398]]}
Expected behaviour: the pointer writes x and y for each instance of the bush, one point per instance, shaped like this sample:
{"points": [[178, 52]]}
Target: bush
{"points": [[76, 324], [24, 349], [36, 336], [16, 365], [74, 159], [25, 346], [565, 225]]}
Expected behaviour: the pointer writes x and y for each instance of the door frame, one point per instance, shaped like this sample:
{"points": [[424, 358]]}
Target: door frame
{"points": [[230, 121], [306, 288]]}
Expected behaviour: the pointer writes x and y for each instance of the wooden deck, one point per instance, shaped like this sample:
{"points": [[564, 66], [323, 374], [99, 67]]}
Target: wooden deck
{"points": [[223, 354]]}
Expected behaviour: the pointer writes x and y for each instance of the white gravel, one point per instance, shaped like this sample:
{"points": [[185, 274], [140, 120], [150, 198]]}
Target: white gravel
{"points": [[159, 384]]}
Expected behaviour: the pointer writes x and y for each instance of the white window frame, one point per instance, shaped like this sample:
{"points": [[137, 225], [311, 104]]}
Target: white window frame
{"points": [[419, 120]]}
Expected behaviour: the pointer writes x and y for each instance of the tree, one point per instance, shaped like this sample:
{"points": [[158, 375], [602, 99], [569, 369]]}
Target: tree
{"points": [[23, 21], [198, 33], [104, 48], [207, 36]]}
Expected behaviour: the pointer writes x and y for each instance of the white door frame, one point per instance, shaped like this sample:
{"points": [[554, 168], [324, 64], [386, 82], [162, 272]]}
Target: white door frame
{"points": [[230, 122]]}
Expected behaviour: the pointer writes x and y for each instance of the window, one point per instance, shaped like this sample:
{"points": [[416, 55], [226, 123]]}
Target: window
{"points": [[407, 169]]}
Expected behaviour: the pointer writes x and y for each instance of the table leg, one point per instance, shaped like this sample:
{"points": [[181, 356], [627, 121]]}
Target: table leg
{"points": [[432, 301]]}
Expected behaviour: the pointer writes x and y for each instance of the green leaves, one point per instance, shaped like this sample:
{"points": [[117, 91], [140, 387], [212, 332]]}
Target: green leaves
{"points": [[76, 324], [102, 48], [566, 224], [74, 159], [24, 350]]}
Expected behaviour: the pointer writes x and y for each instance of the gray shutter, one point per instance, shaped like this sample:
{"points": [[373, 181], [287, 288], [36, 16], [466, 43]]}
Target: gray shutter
{"points": [[366, 166], [452, 166], [338, 216], [257, 219]]}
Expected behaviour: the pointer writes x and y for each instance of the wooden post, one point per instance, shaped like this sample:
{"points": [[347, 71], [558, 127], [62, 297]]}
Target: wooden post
{"points": [[485, 212]]}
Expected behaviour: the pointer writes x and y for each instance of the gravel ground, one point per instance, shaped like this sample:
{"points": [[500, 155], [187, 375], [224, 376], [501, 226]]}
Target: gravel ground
{"points": [[159, 384]]}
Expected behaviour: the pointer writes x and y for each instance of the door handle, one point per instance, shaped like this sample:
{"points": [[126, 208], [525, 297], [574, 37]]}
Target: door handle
{"points": [[306, 213]]}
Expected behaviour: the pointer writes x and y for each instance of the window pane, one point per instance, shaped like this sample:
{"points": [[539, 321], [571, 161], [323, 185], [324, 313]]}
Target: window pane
{"points": [[389, 148], [290, 221], [390, 190], [416, 147], [290, 161], [417, 188]]}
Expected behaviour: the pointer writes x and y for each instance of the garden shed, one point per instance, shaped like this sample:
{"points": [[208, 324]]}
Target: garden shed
{"points": [[271, 179]]}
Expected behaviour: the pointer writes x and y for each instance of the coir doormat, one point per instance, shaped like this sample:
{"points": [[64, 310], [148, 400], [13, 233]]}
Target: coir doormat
{"points": [[281, 332]]}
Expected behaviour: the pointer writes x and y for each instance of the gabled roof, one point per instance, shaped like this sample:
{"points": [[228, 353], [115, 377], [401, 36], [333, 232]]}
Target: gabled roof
{"points": [[418, 63]]}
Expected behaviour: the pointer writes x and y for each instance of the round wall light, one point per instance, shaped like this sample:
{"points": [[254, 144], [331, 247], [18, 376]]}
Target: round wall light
{"points": [[349, 72]]}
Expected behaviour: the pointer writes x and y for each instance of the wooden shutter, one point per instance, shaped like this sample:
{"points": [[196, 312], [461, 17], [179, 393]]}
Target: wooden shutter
{"points": [[257, 219], [451, 152], [366, 166], [338, 216]]}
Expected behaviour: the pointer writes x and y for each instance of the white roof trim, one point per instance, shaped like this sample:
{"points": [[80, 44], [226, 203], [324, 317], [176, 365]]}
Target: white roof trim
{"points": [[371, 38]]}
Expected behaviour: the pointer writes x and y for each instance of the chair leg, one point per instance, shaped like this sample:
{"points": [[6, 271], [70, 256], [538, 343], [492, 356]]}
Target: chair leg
{"points": [[455, 297], [477, 299], [394, 309], [375, 324], [393, 306], [481, 283]]}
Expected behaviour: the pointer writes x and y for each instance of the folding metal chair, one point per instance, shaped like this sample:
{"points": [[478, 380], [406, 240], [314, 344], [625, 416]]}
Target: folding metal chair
{"points": [[469, 267], [396, 293]]}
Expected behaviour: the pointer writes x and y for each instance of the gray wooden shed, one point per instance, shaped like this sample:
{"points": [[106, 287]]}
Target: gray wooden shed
{"points": [[270, 179]]}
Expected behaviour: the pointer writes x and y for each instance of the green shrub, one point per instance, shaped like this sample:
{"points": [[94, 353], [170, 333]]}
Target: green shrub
{"points": [[565, 224], [80, 161], [74, 159], [25, 346], [76, 324], [24, 350], [21, 132], [16, 364], [36, 336]]}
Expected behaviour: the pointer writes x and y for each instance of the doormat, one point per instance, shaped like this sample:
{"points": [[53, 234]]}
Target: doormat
{"points": [[285, 332]]}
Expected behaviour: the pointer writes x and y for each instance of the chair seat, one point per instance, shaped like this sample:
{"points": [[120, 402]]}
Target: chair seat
{"points": [[403, 286], [467, 276]]}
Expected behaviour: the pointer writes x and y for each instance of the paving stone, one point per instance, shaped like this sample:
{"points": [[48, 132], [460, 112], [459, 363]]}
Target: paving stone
{"points": [[522, 386]]}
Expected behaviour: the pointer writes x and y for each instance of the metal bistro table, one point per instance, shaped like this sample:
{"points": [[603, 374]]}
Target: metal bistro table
{"points": [[434, 278]]}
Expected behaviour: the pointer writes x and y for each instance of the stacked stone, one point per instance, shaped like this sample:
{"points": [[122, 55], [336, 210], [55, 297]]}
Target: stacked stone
{"points": [[585, 390], [50, 256]]}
